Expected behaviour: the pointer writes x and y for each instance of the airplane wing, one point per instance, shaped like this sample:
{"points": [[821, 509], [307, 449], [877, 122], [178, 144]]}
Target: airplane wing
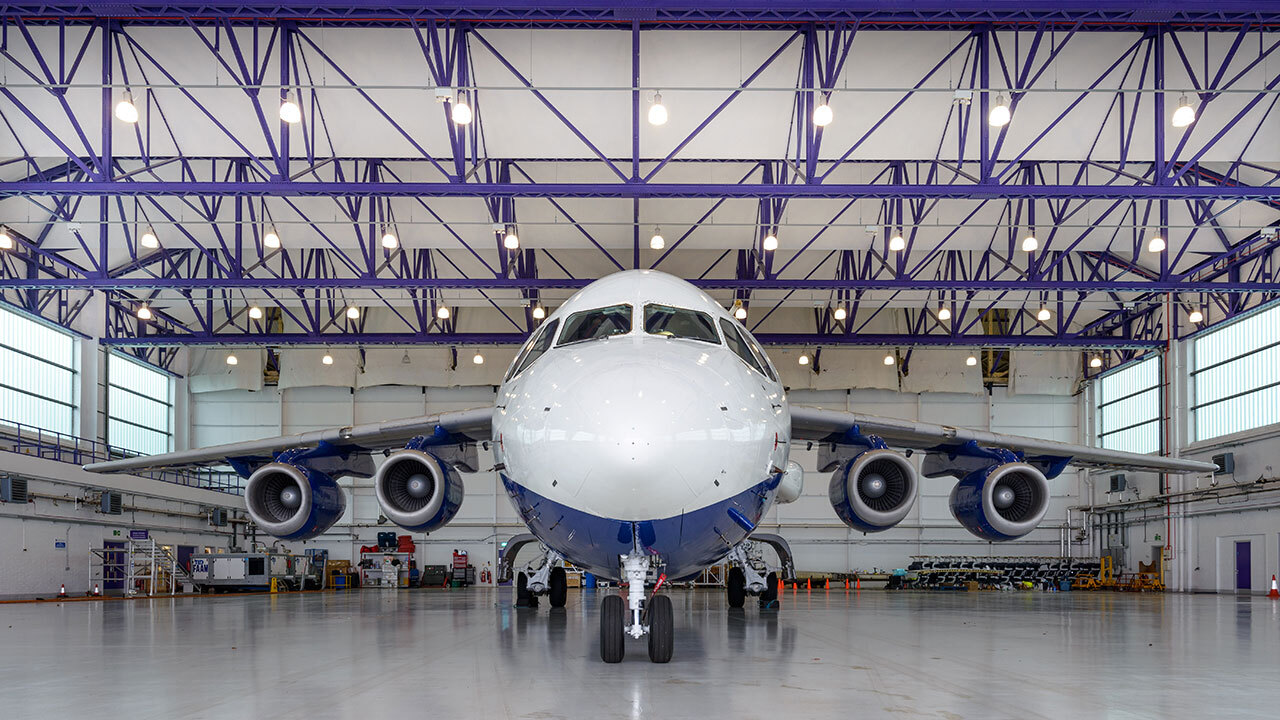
{"points": [[832, 426], [462, 427]]}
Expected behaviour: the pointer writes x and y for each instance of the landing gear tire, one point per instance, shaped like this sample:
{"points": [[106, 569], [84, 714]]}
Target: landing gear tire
{"points": [[613, 613], [737, 587], [769, 598], [559, 587], [524, 598], [661, 629]]}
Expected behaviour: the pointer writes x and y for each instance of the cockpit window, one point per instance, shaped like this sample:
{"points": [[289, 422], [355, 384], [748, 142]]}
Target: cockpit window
{"points": [[761, 357], [679, 323], [596, 324], [540, 344], [738, 344]]}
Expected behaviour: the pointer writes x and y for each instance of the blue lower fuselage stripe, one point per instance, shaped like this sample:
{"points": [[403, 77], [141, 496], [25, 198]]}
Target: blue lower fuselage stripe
{"points": [[687, 543]]}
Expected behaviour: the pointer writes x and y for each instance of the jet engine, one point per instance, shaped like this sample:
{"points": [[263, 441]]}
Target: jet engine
{"points": [[873, 491], [417, 490], [293, 502], [1001, 502]]}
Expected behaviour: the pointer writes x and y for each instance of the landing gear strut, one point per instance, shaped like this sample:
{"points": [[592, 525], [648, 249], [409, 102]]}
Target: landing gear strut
{"points": [[637, 616], [751, 575]]}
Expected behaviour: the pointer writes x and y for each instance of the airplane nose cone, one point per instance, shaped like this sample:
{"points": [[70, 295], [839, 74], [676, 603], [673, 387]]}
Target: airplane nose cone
{"points": [[647, 436]]}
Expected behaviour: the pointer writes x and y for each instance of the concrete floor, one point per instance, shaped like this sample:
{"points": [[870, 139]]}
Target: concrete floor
{"points": [[467, 653]]}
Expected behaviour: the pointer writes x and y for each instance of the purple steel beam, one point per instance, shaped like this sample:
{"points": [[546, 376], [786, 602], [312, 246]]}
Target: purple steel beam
{"points": [[811, 339], [895, 14], [1171, 285], [899, 190]]}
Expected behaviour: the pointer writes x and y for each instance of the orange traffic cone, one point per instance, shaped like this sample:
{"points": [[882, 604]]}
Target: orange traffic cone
{"points": [[846, 583], [827, 585], [1274, 594], [62, 591], [780, 585], [859, 578], [96, 591], [808, 583]]}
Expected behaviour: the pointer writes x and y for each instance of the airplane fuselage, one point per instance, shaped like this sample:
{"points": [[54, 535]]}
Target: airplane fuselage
{"points": [[662, 437]]}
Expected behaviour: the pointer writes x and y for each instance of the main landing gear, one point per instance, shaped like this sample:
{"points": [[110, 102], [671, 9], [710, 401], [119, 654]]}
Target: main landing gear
{"points": [[637, 616], [749, 574], [545, 575]]}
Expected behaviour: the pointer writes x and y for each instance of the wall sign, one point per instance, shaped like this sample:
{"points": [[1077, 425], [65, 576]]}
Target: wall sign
{"points": [[139, 534], [60, 544]]}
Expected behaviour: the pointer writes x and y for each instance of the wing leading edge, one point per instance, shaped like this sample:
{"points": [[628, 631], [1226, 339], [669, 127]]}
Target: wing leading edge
{"points": [[808, 423], [462, 427]]}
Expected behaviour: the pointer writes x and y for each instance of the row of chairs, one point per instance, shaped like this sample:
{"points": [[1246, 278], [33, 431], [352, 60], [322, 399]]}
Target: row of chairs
{"points": [[937, 573]]}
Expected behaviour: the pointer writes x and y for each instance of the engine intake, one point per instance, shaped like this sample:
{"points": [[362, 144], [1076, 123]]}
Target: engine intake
{"points": [[418, 491], [873, 491], [293, 502], [1001, 502]]}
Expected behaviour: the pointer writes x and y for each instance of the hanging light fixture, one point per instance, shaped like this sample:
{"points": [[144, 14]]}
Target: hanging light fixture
{"points": [[327, 359], [511, 241], [840, 313], [144, 313], [539, 312], [255, 312], [1184, 115], [126, 111], [6, 240], [232, 359], [657, 242], [1000, 114], [461, 112], [1044, 314], [1095, 362], [442, 312], [971, 361], [1156, 244], [477, 359], [148, 239], [657, 111], [897, 243], [1030, 243], [944, 313], [1196, 316], [770, 242], [353, 313], [740, 312], [270, 239], [890, 359], [803, 359], [822, 115], [389, 240], [289, 110]]}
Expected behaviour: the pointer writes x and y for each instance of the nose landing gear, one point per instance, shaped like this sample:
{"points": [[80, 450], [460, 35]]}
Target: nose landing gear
{"points": [[637, 616]]}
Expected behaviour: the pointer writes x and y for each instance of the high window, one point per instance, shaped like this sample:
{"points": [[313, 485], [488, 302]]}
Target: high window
{"points": [[1127, 403], [1235, 376], [37, 374], [139, 406]]}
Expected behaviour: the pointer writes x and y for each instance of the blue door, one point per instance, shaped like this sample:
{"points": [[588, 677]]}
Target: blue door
{"points": [[1244, 568]]}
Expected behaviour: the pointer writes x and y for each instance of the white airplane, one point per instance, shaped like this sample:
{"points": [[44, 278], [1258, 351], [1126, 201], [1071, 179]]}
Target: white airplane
{"points": [[642, 433]]}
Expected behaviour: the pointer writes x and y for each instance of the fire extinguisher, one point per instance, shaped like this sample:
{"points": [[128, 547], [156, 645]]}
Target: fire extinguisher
{"points": [[485, 575]]}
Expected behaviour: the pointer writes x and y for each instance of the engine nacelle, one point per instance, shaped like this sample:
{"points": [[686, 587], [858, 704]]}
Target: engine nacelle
{"points": [[417, 490], [873, 491], [792, 483], [1001, 502], [293, 502]]}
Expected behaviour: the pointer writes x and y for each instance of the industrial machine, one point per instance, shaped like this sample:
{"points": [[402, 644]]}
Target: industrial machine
{"points": [[240, 571]]}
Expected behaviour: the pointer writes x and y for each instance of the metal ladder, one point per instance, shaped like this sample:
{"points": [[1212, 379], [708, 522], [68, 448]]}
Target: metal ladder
{"points": [[151, 569]]}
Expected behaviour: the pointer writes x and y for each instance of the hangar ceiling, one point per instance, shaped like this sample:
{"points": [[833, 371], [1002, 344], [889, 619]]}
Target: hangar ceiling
{"points": [[908, 201]]}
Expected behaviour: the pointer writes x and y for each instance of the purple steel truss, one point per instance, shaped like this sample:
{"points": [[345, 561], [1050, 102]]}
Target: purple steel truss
{"points": [[237, 196]]}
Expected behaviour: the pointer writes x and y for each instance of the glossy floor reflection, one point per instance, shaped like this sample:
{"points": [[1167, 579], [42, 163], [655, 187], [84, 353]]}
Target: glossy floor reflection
{"points": [[467, 653]]}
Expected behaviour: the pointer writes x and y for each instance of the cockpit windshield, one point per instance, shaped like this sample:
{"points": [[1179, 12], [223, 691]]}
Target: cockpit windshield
{"points": [[674, 322], [596, 324], [540, 343]]}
